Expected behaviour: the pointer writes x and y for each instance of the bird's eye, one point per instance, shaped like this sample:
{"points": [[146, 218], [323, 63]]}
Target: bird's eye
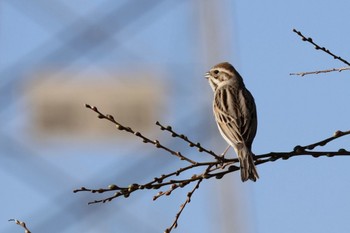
{"points": [[216, 71]]}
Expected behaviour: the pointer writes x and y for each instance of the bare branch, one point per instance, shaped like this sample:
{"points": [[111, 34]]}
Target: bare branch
{"points": [[191, 143], [321, 71], [217, 168], [182, 207], [318, 47], [22, 224], [306, 150], [119, 126], [337, 134]]}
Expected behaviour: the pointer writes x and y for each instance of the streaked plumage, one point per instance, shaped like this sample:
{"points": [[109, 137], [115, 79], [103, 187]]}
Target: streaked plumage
{"points": [[235, 114]]}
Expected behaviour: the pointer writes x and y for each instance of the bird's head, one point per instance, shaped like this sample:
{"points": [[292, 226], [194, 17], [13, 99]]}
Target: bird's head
{"points": [[222, 73]]}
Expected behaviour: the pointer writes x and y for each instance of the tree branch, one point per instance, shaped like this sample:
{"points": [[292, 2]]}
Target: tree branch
{"points": [[318, 47], [216, 168], [321, 71], [182, 207], [120, 127], [191, 143]]}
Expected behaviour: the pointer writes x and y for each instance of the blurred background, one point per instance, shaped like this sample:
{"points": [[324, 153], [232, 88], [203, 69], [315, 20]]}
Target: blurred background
{"points": [[144, 61]]}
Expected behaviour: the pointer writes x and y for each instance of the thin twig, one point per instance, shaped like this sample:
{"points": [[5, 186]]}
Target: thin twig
{"points": [[318, 47], [182, 206], [119, 126], [191, 143], [337, 134], [306, 150], [321, 71], [22, 224]]}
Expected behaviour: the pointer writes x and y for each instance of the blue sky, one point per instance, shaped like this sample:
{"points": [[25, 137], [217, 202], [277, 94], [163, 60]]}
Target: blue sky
{"points": [[299, 195]]}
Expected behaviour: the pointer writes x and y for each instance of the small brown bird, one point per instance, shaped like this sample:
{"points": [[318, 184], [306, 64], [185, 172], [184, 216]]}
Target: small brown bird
{"points": [[235, 114]]}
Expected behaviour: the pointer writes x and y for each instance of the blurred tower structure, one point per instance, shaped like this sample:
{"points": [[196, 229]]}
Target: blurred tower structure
{"points": [[137, 60], [219, 44]]}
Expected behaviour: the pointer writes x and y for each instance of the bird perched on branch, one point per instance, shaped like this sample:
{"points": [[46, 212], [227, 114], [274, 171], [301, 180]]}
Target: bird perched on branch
{"points": [[235, 114]]}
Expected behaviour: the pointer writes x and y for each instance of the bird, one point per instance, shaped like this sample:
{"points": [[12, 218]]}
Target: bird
{"points": [[235, 114]]}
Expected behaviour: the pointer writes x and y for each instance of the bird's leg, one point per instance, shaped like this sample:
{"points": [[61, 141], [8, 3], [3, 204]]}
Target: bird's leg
{"points": [[222, 158], [223, 154]]}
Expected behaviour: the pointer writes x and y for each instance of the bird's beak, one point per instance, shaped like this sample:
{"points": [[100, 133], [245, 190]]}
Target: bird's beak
{"points": [[207, 75]]}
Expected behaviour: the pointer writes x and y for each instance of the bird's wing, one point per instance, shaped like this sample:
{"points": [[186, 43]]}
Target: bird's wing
{"points": [[250, 122], [235, 114]]}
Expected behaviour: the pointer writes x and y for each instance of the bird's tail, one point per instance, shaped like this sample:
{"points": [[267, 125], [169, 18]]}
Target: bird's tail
{"points": [[248, 169]]}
